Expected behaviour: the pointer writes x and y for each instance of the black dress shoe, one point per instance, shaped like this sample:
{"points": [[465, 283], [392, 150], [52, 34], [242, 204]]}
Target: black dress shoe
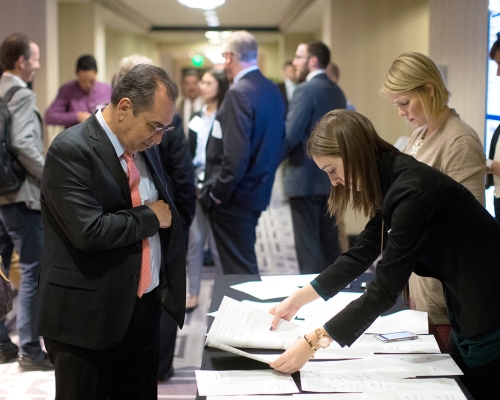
{"points": [[31, 364], [189, 310], [9, 353]]}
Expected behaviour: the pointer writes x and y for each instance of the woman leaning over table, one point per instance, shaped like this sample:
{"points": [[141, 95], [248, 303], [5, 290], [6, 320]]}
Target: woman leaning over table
{"points": [[442, 140], [424, 222]]}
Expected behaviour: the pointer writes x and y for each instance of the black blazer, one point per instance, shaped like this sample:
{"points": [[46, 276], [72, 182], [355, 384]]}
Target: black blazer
{"points": [[241, 166], [175, 158], [91, 258], [433, 226]]}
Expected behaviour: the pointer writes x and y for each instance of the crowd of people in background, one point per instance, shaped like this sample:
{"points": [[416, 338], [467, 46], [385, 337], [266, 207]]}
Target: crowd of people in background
{"points": [[143, 184]]}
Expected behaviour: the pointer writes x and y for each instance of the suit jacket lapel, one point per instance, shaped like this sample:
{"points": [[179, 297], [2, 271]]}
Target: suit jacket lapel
{"points": [[108, 156]]}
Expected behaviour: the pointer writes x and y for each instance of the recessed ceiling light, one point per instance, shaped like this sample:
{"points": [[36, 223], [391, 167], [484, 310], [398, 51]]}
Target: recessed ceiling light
{"points": [[202, 4], [212, 34]]}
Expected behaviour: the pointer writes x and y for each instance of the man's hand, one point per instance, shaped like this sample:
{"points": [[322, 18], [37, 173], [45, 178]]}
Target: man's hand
{"points": [[205, 200], [162, 211]]}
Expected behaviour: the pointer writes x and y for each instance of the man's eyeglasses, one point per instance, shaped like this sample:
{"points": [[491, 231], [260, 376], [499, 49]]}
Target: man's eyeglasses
{"points": [[153, 127]]}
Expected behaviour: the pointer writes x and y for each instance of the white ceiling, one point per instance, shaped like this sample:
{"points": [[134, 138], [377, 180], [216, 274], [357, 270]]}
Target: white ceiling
{"points": [[278, 16]]}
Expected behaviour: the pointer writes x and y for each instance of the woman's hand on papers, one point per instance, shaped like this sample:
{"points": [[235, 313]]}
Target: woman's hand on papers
{"points": [[294, 357], [289, 307], [286, 310]]}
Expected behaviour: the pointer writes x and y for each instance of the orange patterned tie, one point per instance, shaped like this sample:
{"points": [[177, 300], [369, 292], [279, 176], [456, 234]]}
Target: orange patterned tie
{"points": [[134, 177]]}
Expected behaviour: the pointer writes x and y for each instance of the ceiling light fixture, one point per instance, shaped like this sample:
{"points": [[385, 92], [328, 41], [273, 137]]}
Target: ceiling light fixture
{"points": [[202, 4]]}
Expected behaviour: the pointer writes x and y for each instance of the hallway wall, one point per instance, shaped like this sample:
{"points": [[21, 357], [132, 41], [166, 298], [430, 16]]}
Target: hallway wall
{"points": [[458, 40], [366, 36]]}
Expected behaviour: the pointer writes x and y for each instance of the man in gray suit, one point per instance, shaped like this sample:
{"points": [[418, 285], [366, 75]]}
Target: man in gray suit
{"points": [[306, 186], [20, 210]]}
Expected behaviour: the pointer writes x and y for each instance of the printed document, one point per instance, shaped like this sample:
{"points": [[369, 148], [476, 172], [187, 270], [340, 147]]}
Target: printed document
{"points": [[244, 382], [241, 325]]}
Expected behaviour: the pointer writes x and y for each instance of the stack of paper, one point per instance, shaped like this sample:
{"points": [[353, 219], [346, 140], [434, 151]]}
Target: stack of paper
{"points": [[244, 382]]}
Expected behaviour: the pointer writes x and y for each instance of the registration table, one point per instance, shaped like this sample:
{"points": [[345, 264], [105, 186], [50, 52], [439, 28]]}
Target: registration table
{"points": [[218, 360]]}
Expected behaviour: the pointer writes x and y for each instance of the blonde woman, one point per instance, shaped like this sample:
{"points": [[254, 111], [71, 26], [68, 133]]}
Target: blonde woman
{"points": [[442, 140]]}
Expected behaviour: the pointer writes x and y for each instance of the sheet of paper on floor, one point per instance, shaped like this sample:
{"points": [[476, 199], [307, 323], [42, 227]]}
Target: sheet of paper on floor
{"points": [[244, 382]]}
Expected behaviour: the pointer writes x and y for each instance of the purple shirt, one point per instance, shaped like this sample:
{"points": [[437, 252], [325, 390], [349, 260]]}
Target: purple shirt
{"points": [[71, 98]]}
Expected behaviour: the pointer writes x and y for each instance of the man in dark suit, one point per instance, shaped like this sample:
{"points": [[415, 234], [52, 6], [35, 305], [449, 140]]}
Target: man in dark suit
{"points": [[306, 186], [245, 148], [114, 247]]}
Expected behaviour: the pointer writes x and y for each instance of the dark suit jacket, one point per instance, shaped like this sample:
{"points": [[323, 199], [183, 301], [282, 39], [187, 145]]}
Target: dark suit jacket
{"points": [[310, 102], [175, 158], [91, 258], [282, 88], [241, 166], [433, 226]]}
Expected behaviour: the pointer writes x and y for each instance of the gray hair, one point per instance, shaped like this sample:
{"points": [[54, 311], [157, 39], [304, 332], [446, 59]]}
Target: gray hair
{"points": [[127, 63], [243, 45], [140, 85]]}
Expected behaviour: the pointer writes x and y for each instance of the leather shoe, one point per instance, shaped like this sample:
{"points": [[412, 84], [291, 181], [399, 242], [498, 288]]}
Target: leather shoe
{"points": [[31, 364], [9, 353]]}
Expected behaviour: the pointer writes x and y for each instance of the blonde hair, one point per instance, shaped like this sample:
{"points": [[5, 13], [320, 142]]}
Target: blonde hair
{"points": [[411, 72], [351, 137]]}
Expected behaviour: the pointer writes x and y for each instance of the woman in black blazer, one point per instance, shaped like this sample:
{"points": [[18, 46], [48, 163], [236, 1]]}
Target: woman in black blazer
{"points": [[423, 222]]}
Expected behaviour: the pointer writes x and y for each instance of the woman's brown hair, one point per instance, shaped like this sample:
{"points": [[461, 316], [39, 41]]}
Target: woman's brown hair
{"points": [[352, 137]]}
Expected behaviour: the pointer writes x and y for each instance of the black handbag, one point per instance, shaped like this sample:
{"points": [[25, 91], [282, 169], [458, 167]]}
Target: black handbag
{"points": [[6, 293]]}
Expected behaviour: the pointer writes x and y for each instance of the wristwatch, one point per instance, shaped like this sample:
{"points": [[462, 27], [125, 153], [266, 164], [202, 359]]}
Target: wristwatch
{"points": [[323, 340]]}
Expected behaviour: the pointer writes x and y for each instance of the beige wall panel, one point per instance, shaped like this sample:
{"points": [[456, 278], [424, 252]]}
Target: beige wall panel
{"points": [[123, 44], [458, 41], [77, 31], [37, 19], [367, 37]]}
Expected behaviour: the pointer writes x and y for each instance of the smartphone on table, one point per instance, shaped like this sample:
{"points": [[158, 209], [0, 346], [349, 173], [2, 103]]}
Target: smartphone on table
{"points": [[396, 336]]}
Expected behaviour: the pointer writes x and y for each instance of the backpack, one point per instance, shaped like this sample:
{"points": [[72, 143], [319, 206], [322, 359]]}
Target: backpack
{"points": [[12, 173]]}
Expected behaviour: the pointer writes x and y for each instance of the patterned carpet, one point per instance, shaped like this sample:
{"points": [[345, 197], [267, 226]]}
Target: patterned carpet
{"points": [[276, 255]]}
